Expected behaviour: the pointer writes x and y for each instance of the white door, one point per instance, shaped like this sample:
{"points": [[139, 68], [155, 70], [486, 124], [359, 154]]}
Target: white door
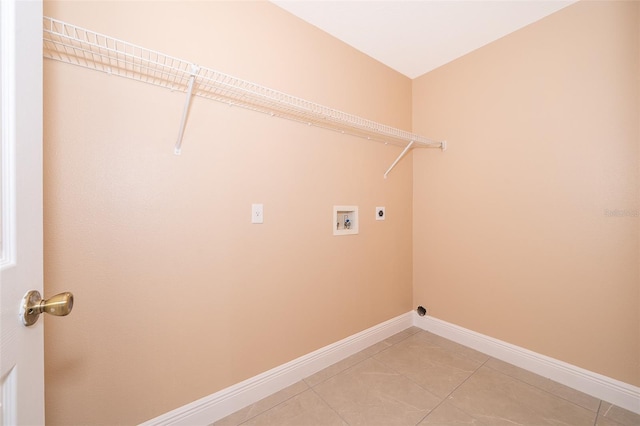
{"points": [[21, 348]]}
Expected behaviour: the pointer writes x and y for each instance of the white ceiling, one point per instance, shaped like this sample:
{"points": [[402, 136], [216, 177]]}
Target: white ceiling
{"points": [[416, 36]]}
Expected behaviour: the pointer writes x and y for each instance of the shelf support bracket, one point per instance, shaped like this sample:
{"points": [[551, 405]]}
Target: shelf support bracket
{"points": [[185, 111], [402, 154]]}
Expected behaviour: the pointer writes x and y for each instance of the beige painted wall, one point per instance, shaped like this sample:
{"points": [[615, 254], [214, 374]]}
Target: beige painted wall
{"points": [[178, 295], [526, 229]]}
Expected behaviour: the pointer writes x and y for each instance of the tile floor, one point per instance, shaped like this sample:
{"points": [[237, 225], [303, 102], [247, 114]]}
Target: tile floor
{"points": [[418, 378]]}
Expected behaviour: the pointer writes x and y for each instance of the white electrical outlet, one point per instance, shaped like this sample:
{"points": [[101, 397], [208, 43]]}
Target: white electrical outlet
{"points": [[257, 213], [380, 213]]}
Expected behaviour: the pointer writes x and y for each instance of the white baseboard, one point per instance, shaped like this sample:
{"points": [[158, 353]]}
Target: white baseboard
{"points": [[227, 401], [602, 387]]}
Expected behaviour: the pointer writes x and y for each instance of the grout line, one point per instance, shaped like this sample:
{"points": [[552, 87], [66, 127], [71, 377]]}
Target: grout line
{"points": [[539, 388], [368, 357], [450, 393], [362, 360], [271, 408], [338, 372], [330, 406], [595, 422]]}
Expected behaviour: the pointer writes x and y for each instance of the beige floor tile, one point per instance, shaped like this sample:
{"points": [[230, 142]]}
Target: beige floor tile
{"points": [[454, 347], [372, 394], [448, 415], [620, 415], [498, 399], [305, 409], [603, 421], [413, 329], [427, 363], [263, 405], [336, 368], [378, 347], [577, 397], [398, 337]]}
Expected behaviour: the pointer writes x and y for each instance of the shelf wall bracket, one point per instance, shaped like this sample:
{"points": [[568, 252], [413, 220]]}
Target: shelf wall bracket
{"points": [[402, 154], [185, 111]]}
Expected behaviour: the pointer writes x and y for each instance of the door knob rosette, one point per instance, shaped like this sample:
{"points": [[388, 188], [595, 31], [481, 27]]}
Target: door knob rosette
{"points": [[33, 305]]}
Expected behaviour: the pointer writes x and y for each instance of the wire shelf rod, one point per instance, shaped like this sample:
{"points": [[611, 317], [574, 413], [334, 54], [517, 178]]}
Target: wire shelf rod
{"points": [[78, 46], [306, 108], [124, 61]]}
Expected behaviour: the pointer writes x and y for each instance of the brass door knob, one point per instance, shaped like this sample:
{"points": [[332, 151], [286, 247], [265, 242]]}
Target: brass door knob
{"points": [[33, 305]]}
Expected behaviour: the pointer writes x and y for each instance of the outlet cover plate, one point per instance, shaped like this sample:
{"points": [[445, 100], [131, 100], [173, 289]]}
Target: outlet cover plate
{"points": [[257, 213]]}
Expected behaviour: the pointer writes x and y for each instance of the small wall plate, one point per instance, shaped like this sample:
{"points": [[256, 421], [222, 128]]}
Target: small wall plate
{"points": [[380, 213]]}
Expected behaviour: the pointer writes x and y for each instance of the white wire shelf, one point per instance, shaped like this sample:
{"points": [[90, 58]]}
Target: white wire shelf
{"points": [[78, 46]]}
